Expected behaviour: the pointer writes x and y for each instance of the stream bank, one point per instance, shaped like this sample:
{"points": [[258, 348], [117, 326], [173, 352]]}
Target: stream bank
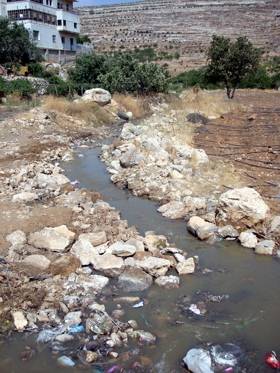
{"points": [[246, 283]]}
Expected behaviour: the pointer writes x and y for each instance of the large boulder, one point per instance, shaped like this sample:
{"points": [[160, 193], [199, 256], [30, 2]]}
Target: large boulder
{"points": [[242, 207], [98, 95], [134, 279], [52, 239]]}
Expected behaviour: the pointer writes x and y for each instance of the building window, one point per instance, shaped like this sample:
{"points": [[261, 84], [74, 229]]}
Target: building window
{"points": [[54, 38], [59, 23], [63, 39], [36, 36], [15, 15], [64, 22], [75, 25]]}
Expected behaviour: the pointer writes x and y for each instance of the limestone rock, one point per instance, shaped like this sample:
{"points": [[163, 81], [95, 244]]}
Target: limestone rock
{"points": [[265, 247], [84, 251], [228, 232], [131, 157], [95, 238], [134, 279], [173, 210], [154, 266], [121, 249], [168, 282], [25, 197], [53, 239], [108, 263], [20, 320], [201, 228], [241, 207], [52, 181], [248, 239], [64, 265], [16, 238], [98, 95], [37, 261], [186, 267], [275, 225]]}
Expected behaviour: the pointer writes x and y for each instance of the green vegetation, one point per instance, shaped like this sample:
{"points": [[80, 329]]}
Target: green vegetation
{"points": [[119, 72], [20, 87], [82, 39], [231, 61], [15, 45]]}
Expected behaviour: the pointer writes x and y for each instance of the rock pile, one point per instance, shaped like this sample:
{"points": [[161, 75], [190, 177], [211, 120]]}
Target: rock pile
{"points": [[152, 160]]}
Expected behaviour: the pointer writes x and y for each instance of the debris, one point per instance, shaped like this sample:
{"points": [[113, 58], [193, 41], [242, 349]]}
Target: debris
{"points": [[138, 305], [272, 361]]}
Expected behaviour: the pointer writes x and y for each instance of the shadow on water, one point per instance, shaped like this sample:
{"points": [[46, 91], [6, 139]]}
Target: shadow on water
{"points": [[249, 317]]}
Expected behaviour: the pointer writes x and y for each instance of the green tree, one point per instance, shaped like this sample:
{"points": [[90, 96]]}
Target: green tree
{"points": [[87, 69], [231, 61], [15, 45], [81, 39]]}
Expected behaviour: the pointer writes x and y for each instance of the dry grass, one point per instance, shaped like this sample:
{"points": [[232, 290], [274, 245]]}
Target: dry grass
{"points": [[212, 104], [89, 112], [137, 105]]}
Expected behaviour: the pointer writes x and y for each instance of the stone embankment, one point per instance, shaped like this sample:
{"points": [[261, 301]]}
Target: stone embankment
{"points": [[154, 160]]}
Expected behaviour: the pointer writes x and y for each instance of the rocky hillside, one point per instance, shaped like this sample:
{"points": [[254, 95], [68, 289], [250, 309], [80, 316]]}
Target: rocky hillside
{"points": [[183, 24]]}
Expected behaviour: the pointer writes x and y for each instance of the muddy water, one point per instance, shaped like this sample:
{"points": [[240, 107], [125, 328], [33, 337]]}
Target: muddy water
{"points": [[250, 317]]}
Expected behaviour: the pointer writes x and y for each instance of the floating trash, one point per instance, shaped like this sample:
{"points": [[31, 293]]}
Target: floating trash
{"points": [[138, 305], [272, 361]]}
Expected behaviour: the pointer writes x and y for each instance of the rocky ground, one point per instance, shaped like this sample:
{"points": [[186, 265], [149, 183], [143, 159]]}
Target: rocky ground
{"points": [[157, 160], [64, 251], [69, 263]]}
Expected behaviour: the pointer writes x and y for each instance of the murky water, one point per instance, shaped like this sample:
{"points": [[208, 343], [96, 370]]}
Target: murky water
{"points": [[250, 317]]}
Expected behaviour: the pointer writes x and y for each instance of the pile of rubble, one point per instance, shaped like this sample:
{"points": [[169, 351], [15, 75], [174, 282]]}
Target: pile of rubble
{"points": [[152, 160]]}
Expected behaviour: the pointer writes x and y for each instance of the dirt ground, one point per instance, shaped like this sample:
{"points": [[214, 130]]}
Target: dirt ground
{"points": [[249, 138]]}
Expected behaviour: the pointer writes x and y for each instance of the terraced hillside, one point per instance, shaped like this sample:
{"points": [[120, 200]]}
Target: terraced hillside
{"points": [[183, 24]]}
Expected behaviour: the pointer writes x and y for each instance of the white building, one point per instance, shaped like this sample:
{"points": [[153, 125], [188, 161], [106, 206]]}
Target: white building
{"points": [[52, 24], [3, 8]]}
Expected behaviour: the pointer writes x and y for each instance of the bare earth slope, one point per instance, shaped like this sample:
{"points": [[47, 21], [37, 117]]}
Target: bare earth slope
{"points": [[186, 25]]}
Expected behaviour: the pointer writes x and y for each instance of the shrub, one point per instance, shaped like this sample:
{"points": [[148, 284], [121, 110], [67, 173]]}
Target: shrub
{"points": [[37, 70], [21, 87], [59, 87], [3, 87], [258, 79]]}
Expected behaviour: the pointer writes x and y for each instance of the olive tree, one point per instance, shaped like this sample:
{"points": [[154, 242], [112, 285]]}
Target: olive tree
{"points": [[231, 61]]}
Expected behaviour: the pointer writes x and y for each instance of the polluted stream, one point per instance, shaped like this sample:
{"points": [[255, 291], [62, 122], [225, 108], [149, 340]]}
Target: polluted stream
{"points": [[248, 314]]}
